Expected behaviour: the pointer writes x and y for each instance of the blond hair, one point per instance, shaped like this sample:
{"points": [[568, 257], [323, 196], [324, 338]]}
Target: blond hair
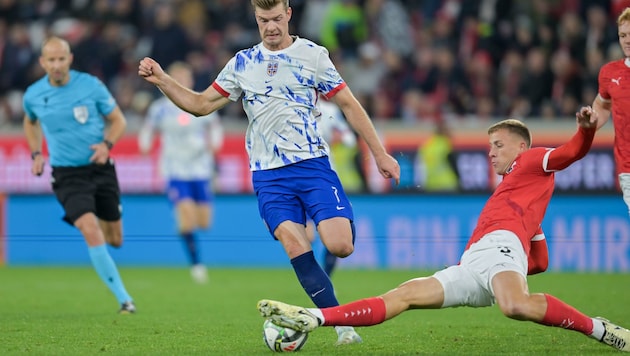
{"points": [[269, 4], [513, 126], [178, 65], [624, 16]]}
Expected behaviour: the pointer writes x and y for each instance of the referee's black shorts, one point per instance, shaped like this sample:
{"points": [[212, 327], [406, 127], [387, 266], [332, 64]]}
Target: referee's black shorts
{"points": [[88, 189]]}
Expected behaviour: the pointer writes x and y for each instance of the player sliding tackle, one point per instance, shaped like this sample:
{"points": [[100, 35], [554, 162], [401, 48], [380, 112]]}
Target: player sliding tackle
{"points": [[507, 245]]}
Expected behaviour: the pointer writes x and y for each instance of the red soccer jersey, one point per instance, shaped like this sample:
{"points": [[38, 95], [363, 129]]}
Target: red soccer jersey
{"points": [[614, 85], [520, 201]]}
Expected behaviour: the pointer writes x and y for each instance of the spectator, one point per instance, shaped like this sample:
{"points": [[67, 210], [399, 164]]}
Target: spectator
{"points": [[437, 158], [567, 83], [365, 73], [169, 42], [390, 25], [537, 88], [344, 28], [312, 19]]}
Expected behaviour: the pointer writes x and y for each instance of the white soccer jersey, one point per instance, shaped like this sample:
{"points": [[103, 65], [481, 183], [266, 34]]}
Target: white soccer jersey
{"points": [[280, 91], [187, 141]]}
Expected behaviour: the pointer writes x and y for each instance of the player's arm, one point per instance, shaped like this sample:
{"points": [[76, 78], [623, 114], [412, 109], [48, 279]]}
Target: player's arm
{"points": [[578, 145], [117, 126], [362, 125], [34, 139], [196, 103], [603, 108], [538, 259]]}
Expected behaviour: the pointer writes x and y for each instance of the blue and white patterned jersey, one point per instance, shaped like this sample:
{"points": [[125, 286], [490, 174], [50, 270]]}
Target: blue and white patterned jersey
{"points": [[280, 91], [71, 116], [187, 142]]}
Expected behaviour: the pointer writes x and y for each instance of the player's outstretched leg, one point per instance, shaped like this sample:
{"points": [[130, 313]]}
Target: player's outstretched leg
{"points": [[615, 335], [289, 316]]}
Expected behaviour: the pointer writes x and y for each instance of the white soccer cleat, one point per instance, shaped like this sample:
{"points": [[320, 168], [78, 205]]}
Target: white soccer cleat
{"points": [[615, 335], [199, 273], [347, 335], [289, 316]]}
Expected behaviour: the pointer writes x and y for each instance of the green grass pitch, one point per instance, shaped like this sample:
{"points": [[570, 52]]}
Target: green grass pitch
{"points": [[68, 311]]}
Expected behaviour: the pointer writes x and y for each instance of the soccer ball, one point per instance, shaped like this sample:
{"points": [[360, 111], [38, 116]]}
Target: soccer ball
{"points": [[280, 339]]}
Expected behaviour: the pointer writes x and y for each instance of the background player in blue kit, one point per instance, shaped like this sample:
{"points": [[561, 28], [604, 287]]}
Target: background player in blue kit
{"points": [[279, 81], [70, 108]]}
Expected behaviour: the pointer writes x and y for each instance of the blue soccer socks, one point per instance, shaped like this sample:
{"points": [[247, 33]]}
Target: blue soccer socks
{"points": [[314, 280], [106, 269]]}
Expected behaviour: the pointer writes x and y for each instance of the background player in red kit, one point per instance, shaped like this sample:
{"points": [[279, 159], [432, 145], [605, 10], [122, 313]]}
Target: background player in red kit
{"points": [[614, 97], [507, 245]]}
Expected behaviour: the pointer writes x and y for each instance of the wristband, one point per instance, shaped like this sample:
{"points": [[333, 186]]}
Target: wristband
{"points": [[35, 154], [109, 144]]}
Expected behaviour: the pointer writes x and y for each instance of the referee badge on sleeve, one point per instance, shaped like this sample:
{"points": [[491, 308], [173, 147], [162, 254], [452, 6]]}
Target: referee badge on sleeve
{"points": [[80, 114]]}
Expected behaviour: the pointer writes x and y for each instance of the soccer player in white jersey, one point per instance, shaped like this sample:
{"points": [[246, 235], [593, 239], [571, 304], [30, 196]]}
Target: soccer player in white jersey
{"points": [[279, 81], [188, 146], [507, 245]]}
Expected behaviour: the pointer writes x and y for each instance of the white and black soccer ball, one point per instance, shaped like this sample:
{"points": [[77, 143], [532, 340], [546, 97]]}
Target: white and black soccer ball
{"points": [[281, 339]]}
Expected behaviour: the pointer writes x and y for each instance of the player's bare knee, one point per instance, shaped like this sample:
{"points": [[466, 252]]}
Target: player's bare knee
{"points": [[114, 241], [347, 251], [342, 250], [113, 236]]}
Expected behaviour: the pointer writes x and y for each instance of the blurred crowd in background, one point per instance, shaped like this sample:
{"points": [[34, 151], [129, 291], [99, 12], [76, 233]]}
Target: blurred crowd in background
{"points": [[408, 61]]}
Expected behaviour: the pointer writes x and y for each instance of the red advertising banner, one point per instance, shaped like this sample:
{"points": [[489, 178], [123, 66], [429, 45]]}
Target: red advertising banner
{"points": [[140, 173], [3, 232], [137, 173]]}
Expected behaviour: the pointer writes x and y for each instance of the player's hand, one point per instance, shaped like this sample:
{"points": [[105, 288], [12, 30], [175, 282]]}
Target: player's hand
{"points": [[586, 117], [37, 167], [388, 167], [101, 153], [150, 70]]}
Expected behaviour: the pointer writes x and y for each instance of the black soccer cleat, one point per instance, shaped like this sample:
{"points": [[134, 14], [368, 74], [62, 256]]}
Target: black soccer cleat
{"points": [[127, 308]]}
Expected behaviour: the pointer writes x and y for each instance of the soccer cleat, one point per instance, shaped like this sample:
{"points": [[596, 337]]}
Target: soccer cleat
{"points": [[289, 316], [347, 335], [127, 308], [199, 273], [615, 335]]}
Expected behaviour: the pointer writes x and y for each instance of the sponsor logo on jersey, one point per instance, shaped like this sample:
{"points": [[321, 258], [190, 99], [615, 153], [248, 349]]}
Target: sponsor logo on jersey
{"points": [[509, 170]]}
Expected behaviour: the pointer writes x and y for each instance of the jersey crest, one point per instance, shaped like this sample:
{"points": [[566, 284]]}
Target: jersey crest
{"points": [[80, 114], [272, 68]]}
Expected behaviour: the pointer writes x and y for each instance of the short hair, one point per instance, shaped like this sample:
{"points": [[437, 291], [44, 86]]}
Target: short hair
{"points": [[269, 4], [624, 16], [57, 39], [513, 126], [178, 65]]}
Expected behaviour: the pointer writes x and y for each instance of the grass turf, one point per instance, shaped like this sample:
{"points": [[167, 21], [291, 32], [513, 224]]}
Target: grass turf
{"points": [[68, 311]]}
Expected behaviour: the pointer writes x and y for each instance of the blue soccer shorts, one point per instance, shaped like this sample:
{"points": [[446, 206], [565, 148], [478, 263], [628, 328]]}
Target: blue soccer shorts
{"points": [[196, 190], [293, 192]]}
